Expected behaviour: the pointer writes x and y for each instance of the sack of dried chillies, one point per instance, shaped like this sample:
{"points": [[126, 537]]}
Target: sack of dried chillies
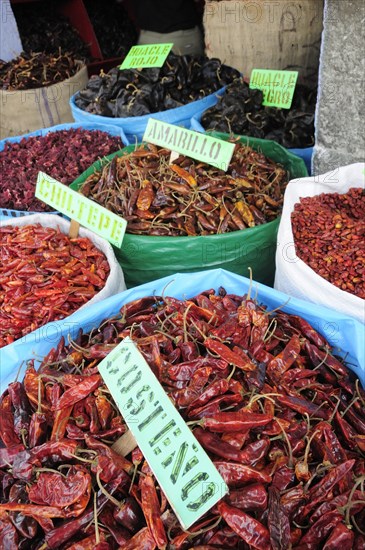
{"points": [[184, 86], [321, 240], [27, 109], [45, 275], [295, 473], [63, 152], [240, 111], [213, 240]]}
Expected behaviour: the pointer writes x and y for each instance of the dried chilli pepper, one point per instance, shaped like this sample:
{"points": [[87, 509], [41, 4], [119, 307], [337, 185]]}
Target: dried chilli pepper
{"points": [[248, 528]]}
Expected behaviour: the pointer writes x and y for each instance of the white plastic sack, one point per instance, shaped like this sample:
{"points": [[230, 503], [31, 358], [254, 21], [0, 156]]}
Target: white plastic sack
{"points": [[293, 276], [115, 281]]}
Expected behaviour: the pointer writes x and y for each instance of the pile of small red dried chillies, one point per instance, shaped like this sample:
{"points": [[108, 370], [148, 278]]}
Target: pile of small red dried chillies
{"points": [[44, 276], [329, 236], [281, 417], [189, 197], [63, 155]]}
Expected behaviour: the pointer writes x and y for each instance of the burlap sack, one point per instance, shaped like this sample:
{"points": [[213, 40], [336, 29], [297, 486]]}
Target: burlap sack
{"points": [[23, 111]]}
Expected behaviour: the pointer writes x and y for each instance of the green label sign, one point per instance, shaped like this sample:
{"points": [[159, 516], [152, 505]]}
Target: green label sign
{"points": [[77, 207], [192, 144], [277, 86], [184, 471], [148, 55]]}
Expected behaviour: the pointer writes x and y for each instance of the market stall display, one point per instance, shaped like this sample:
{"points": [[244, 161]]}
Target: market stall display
{"points": [[45, 275], [211, 207], [321, 240], [240, 111], [63, 152], [181, 88], [274, 408], [268, 382], [131, 92]]}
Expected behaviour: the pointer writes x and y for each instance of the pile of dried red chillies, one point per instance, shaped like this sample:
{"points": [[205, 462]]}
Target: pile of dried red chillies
{"points": [[63, 155], [44, 276], [282, 418], [189, 197], [329, 236]]}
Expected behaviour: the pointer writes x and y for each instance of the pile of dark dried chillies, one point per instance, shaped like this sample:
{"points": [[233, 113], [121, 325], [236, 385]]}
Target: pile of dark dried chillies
{"points": [[188, 197], [36, 70], [240, 110], [44, 276], [114, 29], [282, 418], [43, 28], [132, 92]]}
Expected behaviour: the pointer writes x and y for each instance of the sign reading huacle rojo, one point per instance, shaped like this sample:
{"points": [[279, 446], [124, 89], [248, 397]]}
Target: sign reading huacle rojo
{"points": [[146, 55]]}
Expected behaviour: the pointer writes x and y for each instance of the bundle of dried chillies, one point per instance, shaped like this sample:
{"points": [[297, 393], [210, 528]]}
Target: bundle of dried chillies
{"points": [[280, 415], [36, 70], [189, 197], [329, 236], [128, 93], [64, 155], [44, 276], [240, 111], [114, 30], [43, 28]]}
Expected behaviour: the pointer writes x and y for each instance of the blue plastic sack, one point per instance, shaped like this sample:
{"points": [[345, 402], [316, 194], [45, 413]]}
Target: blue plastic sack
{"points": [[304, 153], [134, 127], [112, 130], [344, 333]]}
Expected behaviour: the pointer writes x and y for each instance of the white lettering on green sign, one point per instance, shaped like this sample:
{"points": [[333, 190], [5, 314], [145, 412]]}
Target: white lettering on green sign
{"points": [[196, 145], [278, 87], [147, 55], [77, 207], [184, 471]]}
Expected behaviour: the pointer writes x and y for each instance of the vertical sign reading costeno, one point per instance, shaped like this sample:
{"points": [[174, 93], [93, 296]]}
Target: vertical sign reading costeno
{"points": [[184, 471], [278, 87]]}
